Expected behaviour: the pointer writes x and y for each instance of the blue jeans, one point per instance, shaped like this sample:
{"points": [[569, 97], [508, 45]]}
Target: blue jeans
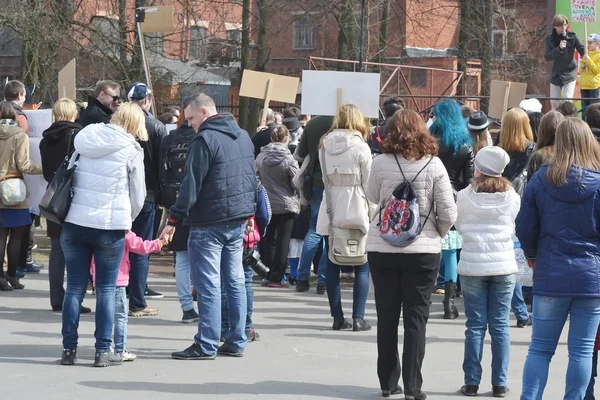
{"points": [[588, 97], [312, 241], [249, 274], [334, 291], [182, 280], [216, 251], [549, 317], [121, 311], [487, 303], [519, 308], [79, 244], [143, 226]]}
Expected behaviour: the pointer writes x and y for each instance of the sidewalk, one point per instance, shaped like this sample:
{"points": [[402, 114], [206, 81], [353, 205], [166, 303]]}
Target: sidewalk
{"points": [[298, 356]]}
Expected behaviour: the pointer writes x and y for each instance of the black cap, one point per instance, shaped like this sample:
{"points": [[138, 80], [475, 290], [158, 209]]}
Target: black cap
{"points": [[292, 123], [478, 121]]}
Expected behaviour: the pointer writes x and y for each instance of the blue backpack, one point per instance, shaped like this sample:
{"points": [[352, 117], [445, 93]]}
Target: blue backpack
{"points": [[400, 217]]}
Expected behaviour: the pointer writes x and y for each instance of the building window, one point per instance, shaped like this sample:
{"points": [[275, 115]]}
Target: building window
{"points": [[418, 78], [198, 43], [304, 32], [11, 44], [155, 43], [234, 44], [105, 35], [498, 44]]}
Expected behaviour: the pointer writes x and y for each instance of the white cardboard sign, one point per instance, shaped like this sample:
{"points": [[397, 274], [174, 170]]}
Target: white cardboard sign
{"points": [[39, 121], [320, 92]]}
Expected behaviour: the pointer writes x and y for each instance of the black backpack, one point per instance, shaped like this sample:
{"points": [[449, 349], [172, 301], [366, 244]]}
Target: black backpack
{"points": [[172, 167]]}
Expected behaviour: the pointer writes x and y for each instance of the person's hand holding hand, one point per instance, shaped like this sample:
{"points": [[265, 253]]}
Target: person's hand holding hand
{"points": [[167, 234], [531, 264], [563, 44], [249, 226]]}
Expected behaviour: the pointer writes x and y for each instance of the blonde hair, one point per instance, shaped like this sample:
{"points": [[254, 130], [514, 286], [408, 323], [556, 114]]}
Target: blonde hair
{"points": [[515, 131], [130, 117], [490, 184], [280, 132], [575, 146], [64, 110], [349, 117]]}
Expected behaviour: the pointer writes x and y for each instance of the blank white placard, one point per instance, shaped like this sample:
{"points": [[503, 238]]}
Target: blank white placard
{"points": [[319, 92]]}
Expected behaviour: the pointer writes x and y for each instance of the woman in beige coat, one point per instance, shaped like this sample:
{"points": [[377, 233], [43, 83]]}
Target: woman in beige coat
{"points": [[347, 159], [405, 276], [14, 163]]}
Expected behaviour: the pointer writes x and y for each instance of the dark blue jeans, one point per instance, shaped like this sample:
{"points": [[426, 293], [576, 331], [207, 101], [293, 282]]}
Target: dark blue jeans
{"points": [[249, 274], [589, 394], [589, 97], [334, 291], [312, 241], [143, 226], [79, 244]]}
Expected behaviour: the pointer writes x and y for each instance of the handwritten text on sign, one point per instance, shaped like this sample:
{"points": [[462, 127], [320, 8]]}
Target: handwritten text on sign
{"points": [[583, 11]]}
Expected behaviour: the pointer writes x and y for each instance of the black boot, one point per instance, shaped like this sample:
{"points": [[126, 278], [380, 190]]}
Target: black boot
{"points": [[341, 324], [450, 310]]}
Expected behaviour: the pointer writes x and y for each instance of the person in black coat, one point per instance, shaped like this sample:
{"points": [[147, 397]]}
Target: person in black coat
{"points": [[101, 106], [55, 146]]}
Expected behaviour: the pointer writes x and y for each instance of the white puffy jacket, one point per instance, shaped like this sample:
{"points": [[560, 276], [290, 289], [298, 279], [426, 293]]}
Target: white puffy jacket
{"points": [[486, 222], [349, 161], [109, 186]]}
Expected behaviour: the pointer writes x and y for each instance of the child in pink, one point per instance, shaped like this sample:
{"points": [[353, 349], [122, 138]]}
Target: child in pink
{"points": [[137, 245]]}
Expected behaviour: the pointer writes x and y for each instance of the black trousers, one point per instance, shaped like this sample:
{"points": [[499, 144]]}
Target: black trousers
{"points": [[277, 244], [403, 282]]}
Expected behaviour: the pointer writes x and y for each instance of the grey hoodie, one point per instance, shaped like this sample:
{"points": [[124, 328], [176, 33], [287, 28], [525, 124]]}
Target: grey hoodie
{"points": [[276, 167]]}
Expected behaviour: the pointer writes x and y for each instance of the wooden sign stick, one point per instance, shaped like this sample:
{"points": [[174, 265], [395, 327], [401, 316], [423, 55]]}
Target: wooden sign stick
{"points": [[585, 33], [269, 87], [506, 98], [340, 95]]}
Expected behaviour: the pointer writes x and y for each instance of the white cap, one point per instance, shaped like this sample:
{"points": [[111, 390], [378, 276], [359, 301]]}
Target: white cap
{"points": [[531, 105], [491, 161]]}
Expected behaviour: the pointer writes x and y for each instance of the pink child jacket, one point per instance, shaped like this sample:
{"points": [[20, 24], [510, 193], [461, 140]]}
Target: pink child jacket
{"points": [[136, 245]]}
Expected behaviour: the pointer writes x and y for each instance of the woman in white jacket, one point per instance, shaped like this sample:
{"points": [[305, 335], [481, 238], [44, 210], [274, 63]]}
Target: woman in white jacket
{"points": [[108, 193], [405, 276], [486, 220], [347, 159]]}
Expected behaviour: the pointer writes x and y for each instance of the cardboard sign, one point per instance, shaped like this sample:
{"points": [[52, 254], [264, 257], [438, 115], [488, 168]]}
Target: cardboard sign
{"points": [[39, 121], [159, 19], [283, 88], [505, 95], [583, 11], [67, 86], [324, 91]]}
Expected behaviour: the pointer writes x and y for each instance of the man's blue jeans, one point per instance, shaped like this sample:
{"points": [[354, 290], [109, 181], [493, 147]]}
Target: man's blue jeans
{"points": [[519, 308], [216, 251], [549, 317], [312, 241], [79, 244], [182, 280], [121, 316], [143, 226], [487, 304], [249, 274]]}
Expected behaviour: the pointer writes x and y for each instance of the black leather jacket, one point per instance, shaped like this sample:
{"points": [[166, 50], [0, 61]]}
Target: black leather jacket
{"points": [[518, 162], [459, 165]]}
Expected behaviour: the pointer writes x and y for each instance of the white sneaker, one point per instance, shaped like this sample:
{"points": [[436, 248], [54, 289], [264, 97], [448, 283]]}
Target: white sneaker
{"points": [[128, 356]]}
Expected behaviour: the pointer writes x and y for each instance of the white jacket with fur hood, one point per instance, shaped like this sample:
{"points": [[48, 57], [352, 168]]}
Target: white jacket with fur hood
{"points": [[348, 167], [486, 222], [432, 186], [109, 186]]}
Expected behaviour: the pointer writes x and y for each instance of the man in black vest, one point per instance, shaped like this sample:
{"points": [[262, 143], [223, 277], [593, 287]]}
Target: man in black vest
{"points": [[143, 225], [217, 198]]}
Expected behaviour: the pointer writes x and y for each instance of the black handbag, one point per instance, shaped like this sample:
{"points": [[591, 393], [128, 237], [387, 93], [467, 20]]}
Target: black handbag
{"points": [[56, 202]]}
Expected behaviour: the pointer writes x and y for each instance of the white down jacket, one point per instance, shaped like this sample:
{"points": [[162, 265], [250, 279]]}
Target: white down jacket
{"points": [[348, 167], [486, 222], [432, 185], [108, 186]]}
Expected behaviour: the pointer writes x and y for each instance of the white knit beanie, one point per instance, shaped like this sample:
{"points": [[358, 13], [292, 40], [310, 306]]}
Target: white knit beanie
{"points": [[491, 161]]}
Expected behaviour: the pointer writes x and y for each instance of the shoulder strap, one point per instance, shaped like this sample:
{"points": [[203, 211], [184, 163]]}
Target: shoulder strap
{"points": [[326, 184], [418, 173]]}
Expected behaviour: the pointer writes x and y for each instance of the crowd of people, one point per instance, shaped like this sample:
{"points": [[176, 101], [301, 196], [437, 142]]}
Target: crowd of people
{"points": [[416, 206]]}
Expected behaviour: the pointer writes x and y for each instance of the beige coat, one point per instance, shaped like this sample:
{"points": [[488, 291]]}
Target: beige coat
{"points": [[14, 157], [349, 161], [432, 185]]}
